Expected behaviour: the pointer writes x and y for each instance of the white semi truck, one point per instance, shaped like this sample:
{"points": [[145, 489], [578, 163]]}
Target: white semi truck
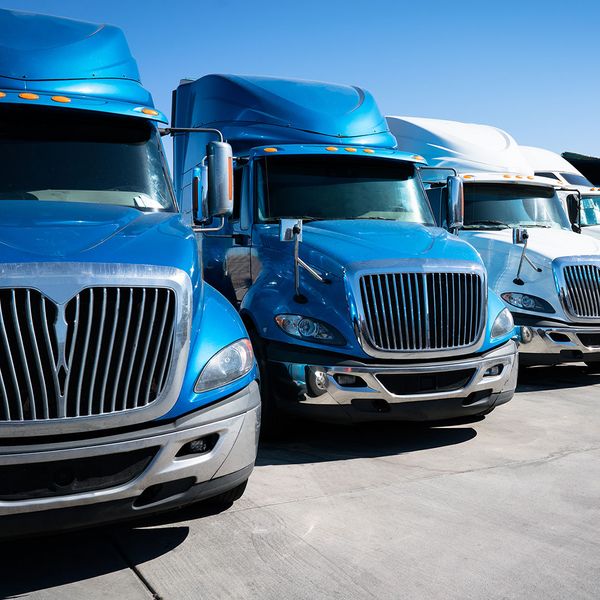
{"points": [[548, 275], [550, 164]]}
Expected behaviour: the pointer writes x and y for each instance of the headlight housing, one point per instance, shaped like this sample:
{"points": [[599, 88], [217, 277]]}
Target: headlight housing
{"points": [[503, 324], [309, 329], [527, 302], [227, 365]]}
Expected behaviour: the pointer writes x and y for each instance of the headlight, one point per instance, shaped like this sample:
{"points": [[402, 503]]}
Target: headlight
{"points": [[527, 302], [503, 324], [312, 330], [227, 365]]}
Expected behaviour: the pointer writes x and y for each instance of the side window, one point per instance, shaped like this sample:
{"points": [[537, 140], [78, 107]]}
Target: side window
{"points": [[237, 193]]}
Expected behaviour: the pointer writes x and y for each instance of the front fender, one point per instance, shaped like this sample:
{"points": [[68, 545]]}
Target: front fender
{"points": [[215, 325]]}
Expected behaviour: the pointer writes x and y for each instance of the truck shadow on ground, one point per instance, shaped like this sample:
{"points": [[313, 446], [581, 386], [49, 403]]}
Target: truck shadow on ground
{"points": [[556, 377], [35, 564], [309, 442]]}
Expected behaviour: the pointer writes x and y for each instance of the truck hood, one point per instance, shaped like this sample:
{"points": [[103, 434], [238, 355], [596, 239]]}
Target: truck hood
{"points": [[335, 246], [544, 244], [82, 232]]}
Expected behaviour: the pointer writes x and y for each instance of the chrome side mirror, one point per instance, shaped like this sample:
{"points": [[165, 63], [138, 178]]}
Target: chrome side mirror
{"points": [[220, 179], [456, 203], [290, 230]]}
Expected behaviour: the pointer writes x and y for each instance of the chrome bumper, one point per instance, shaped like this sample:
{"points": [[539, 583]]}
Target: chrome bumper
{"points": [[236, 421], [557, 340], [333, 393]]}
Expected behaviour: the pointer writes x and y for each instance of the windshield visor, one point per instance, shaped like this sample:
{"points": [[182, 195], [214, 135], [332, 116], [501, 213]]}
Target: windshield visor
{"points": [[340, 187], [505, 205], [70, 156]]}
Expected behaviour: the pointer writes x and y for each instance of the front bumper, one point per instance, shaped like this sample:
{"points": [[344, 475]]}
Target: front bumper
{"points": [[318, 390], [548, 345], [166, 482]]}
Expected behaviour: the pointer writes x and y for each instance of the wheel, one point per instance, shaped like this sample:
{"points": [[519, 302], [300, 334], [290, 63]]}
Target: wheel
{"points": [[593, 367], [228, 498]]}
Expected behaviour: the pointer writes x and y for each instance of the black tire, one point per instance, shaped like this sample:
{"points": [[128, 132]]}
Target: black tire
{"points": [[593, 367], [226, 499]]}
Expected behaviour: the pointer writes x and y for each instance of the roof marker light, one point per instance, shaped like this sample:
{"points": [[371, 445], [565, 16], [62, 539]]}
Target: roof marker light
{"points": [[2, 95], [530, 177], [28, 96], [507, 176], [62, 99], [468, 176], [518, 176], [331, 149], [270, 149], [417, 157], [150, 111], [350, 149], [369, 151]]}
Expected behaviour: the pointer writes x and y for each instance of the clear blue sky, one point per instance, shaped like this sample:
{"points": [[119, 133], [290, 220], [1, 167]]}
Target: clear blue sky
{"points": [[530, 67]]}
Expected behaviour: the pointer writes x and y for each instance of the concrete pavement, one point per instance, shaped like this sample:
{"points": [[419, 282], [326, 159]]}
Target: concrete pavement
{"points": [[504, 507]]}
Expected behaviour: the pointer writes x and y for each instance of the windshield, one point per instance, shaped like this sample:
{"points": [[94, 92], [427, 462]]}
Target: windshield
{"points": [[575, 179], [501, 205], [318, 187], [64, 155], [590, 210]]}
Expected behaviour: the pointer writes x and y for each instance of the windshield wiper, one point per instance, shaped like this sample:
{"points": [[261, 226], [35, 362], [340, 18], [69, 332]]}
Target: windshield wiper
{"points": [[544, 225], [487, 224]]}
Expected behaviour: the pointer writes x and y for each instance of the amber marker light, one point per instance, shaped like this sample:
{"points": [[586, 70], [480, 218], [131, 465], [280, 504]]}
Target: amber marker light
{"points": [[350, 149], [28, 96], [369, 151], [331, 149], [2, 95], [530, 177], [61, 99], [467, 176], [518, 176], [507, 176], [417, 157], [270, 149], [150, 111]]}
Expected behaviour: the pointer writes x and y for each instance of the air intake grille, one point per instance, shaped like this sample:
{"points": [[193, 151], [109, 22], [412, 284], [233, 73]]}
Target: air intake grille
{"points": [[106, 351], [582, 291], [422, 311]]}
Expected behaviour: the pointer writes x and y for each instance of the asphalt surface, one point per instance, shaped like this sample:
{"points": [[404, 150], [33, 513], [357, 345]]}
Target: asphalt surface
{"points": [[504, 507]]}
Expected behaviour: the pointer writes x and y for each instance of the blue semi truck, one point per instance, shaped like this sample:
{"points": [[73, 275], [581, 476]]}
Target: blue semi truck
{"points": [[127, 384], [358, 307]]}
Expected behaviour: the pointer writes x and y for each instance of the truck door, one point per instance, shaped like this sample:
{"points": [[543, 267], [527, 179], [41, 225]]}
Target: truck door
{"points": [[227, 252]]}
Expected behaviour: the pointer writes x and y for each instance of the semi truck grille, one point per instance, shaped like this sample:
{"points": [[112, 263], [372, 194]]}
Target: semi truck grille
{"points": [[582, 291], [422, 311], [106, 350]]}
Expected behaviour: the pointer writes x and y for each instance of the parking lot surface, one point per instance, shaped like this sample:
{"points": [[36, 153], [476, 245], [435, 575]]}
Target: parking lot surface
{"points": [[504, 507]]}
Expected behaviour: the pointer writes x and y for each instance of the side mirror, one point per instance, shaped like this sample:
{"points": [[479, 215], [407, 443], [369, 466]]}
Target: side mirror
{"points": [[573, 202], [290, 230], [220, 179], [456, 203], [520, 235]]}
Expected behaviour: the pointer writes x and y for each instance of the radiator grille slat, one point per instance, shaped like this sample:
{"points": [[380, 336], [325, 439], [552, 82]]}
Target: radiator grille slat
{"points": [[107, 350], [422, 311], [582, 290]]}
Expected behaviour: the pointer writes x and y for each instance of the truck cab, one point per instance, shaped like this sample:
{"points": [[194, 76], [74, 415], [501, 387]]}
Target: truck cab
{"points": [[358, 306], [127, 384], [547, 274]]}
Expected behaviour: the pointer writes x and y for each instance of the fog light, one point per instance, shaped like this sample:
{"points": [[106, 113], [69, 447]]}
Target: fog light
{"points": [[526, 335], [494, 371], [348, 380], [199, 446]]}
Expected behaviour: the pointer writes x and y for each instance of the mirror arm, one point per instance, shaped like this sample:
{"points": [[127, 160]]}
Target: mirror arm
{"points": [[174, 130], [201, 228], [298, 297], [313, 272]]}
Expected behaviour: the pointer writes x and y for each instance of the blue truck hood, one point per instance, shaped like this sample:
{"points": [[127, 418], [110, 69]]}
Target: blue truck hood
{"points": [[337, 245], [82, 232]]}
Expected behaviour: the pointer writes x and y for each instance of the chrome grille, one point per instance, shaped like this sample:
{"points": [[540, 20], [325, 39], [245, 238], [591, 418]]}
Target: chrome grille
{"points": [[582, 291], [107, 350], [422, 311]]}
